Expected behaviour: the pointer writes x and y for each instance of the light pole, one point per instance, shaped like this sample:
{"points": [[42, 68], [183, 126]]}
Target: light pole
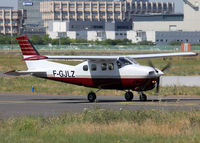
{"points": [[60, 25], [59, 33], [11, 35]]}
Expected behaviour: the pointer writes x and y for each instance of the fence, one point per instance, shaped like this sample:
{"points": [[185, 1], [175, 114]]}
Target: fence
{"points": [[102, 47]]}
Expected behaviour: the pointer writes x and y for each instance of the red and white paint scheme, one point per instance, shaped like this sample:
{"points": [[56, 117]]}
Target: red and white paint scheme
{"points": [[101, 72]]}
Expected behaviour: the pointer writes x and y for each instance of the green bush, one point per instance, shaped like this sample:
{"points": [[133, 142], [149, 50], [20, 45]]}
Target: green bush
{"points": [[8, 40], [37, 40], [145, 43], [173, 43]]}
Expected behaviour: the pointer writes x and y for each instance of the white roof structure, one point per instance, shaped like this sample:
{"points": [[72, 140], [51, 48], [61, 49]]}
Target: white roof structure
{"points": [[191, 20]]}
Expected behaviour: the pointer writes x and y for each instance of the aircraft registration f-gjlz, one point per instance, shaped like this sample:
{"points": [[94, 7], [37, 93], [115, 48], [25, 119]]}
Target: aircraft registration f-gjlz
{"points": [[101, 72]]}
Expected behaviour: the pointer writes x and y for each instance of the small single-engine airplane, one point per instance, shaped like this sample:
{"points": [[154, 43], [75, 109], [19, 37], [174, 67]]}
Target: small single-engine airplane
{"points": [[101, 72]]}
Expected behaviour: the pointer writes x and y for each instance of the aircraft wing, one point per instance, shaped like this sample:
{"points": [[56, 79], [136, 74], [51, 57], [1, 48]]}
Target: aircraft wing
{"points": [[162, 55], [83, 57], [136, 56]]}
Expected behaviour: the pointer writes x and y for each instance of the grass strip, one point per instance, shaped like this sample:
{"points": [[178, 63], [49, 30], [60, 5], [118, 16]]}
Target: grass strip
{"points": [[104, 126]]}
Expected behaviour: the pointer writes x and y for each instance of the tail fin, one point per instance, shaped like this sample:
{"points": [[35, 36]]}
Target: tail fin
{"points": [[31, 55], [26, 46]]}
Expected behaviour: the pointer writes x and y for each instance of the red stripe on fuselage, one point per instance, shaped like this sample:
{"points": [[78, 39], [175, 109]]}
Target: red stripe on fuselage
{"points": [[110, 83]]}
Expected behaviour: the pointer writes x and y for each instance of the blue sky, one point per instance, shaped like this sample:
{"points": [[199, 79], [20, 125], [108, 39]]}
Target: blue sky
{"points": [[178, 4]]}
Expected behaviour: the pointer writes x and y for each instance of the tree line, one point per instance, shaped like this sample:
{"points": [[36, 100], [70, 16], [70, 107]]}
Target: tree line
{"points": [[45, 40]]}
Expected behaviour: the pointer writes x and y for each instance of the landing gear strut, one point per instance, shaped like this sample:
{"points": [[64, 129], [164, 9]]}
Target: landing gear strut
{"points": [[91, 97], [128, 96], [143, 97]]}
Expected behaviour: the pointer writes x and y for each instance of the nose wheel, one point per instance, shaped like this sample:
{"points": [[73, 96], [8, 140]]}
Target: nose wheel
{"points": [[91, 97], [128, 96], [143, 97]]}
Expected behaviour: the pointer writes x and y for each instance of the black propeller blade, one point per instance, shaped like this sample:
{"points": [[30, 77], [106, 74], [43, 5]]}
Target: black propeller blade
{"points": [[151, 65], [157, 85], [166, 67], [158, 79]]}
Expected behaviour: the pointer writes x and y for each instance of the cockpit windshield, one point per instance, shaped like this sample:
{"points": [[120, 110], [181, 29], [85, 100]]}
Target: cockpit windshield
{"points": [[127, 60], [124, 61], [132, 60]]}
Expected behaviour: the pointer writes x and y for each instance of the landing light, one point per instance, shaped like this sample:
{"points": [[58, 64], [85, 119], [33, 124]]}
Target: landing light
{"points": [[154, 81]]}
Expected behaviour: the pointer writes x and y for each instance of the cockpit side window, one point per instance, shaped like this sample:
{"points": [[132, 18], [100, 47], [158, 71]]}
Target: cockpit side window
{"points": [[119, 64], [111, 66], [93, 67], [104, 66], [85, 67]]}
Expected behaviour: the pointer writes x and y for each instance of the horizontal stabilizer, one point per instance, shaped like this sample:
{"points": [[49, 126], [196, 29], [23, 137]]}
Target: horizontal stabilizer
{"points": [[19, 73]]}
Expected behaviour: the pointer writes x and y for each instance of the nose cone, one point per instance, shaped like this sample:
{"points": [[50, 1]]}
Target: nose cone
{"points": [[159, 72], [147, 71], [155, 72]]}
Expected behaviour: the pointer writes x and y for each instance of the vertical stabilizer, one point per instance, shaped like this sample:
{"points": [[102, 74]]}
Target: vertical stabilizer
{"points": [[26, 46], [31, 55]]}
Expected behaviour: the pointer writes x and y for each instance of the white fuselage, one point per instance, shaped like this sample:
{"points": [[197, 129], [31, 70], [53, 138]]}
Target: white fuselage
{"points": [[101, 74]]}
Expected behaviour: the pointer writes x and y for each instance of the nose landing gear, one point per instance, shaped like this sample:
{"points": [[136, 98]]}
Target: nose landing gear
{"points": [[143, 97]]}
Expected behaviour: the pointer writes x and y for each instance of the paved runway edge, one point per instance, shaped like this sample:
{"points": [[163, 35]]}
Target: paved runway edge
{"points": [[50, 105]]}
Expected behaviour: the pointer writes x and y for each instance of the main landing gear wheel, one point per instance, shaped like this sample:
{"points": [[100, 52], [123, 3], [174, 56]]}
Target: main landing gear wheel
{"points": [[143, 97], [128, 96], [91, 96]]}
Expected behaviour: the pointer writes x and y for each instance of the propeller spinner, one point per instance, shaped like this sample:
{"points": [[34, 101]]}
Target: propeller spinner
{"points": [[157, 71]]}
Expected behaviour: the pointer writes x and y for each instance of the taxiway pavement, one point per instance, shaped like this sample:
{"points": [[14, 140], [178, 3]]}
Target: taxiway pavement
{"points": [[50, 105]]}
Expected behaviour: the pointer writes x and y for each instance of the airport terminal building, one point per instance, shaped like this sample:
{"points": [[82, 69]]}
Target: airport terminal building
{"points": [[177, 30], [137, 20], [96, 20], [11, 20], [190, 22]]}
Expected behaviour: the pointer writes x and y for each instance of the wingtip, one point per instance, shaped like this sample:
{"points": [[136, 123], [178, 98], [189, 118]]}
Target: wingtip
{"points": [[12, 73], [9, 72]]}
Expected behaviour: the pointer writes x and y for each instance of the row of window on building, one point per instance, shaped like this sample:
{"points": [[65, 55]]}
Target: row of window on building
{"points": [[9, 21], [164, 6], [178, 40]]}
